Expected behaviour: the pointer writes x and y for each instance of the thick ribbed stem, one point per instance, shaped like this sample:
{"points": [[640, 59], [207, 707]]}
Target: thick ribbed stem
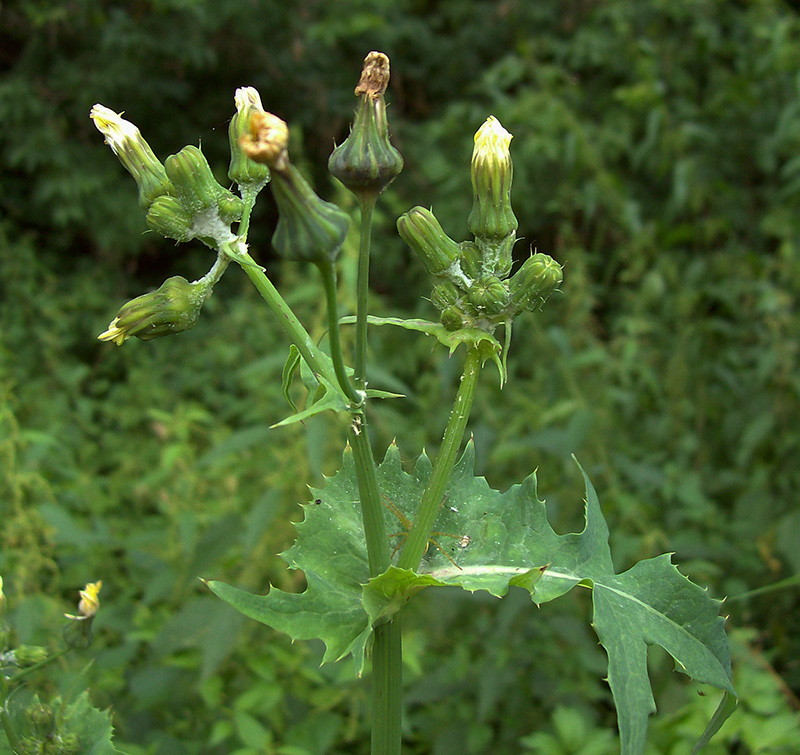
{"points": [[387, 683]]}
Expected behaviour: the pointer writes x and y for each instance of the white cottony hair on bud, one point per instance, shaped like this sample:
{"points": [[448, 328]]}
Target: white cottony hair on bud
{"points": [[114, 127]]}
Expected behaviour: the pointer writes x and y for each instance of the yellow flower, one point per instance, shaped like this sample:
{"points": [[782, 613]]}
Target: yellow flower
{"points": [[89, 602]]}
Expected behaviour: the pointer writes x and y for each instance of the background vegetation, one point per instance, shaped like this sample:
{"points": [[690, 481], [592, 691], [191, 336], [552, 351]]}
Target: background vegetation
{"points": [[657, 157]]}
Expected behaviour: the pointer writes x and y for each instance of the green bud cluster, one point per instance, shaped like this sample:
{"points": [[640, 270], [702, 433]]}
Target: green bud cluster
{"points": [[181, 196], [366, 162], [472, 287], [172, 308]]}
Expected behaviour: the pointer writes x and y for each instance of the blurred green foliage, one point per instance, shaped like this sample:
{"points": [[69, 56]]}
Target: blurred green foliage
{"points": [[657, 157]]}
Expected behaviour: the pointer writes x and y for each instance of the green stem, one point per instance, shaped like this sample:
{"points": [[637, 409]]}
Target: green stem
{"points": [[387, 683], [315, 358], [328, 271], [249, 194], [370, 497], [362, 290], [417, 540], [5, 719]]}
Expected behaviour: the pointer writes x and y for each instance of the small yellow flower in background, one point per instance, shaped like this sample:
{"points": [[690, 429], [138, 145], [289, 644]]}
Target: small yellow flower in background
{"points": [[2, 598], [89, 602]]}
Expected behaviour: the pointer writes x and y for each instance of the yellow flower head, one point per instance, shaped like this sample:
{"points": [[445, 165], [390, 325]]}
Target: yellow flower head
{"points": [[89, 602]]}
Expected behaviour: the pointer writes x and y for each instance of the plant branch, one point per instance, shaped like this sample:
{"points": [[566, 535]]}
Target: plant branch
{"points": [[299, 336], [328, 271], [362, 291], [417, 540]]}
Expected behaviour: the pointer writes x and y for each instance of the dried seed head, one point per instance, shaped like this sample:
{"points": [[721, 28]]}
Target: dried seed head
{"points": [[374, 75], [366, 162]]}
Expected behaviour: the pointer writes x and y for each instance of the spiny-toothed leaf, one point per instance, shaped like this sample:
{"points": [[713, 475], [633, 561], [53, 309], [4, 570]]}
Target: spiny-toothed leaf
{"points": [[487, 540], [92, 726]]}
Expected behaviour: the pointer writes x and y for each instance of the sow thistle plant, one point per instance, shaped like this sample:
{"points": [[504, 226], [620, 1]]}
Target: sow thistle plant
{"points": [[359, 580], [66, 725]]}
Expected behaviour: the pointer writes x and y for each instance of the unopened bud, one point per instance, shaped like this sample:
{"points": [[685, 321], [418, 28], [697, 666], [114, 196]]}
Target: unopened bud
{"points": [[172, 308], [492, 172], [230, 209], [134, 153], [194, 183], [444, 295], [538, 277], [242, 170], [471, 259], [452, 318], [29, 655], [366, 162], [420, 229], [309, 228], [168, 217], [489, 295]]}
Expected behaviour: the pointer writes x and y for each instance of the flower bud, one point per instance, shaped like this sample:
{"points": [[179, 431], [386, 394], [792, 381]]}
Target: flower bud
{"points": [[230, 209], [242, 170], [538, 277], [195, 185], [502, 252], [489, 295], [2, 599], [420, 229], [471, 259], [172, 308], [452, 318], [168, 217], [492, 172], [29, 655], [366, 162], [308, 227], [134, 153], [444, 295]]}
